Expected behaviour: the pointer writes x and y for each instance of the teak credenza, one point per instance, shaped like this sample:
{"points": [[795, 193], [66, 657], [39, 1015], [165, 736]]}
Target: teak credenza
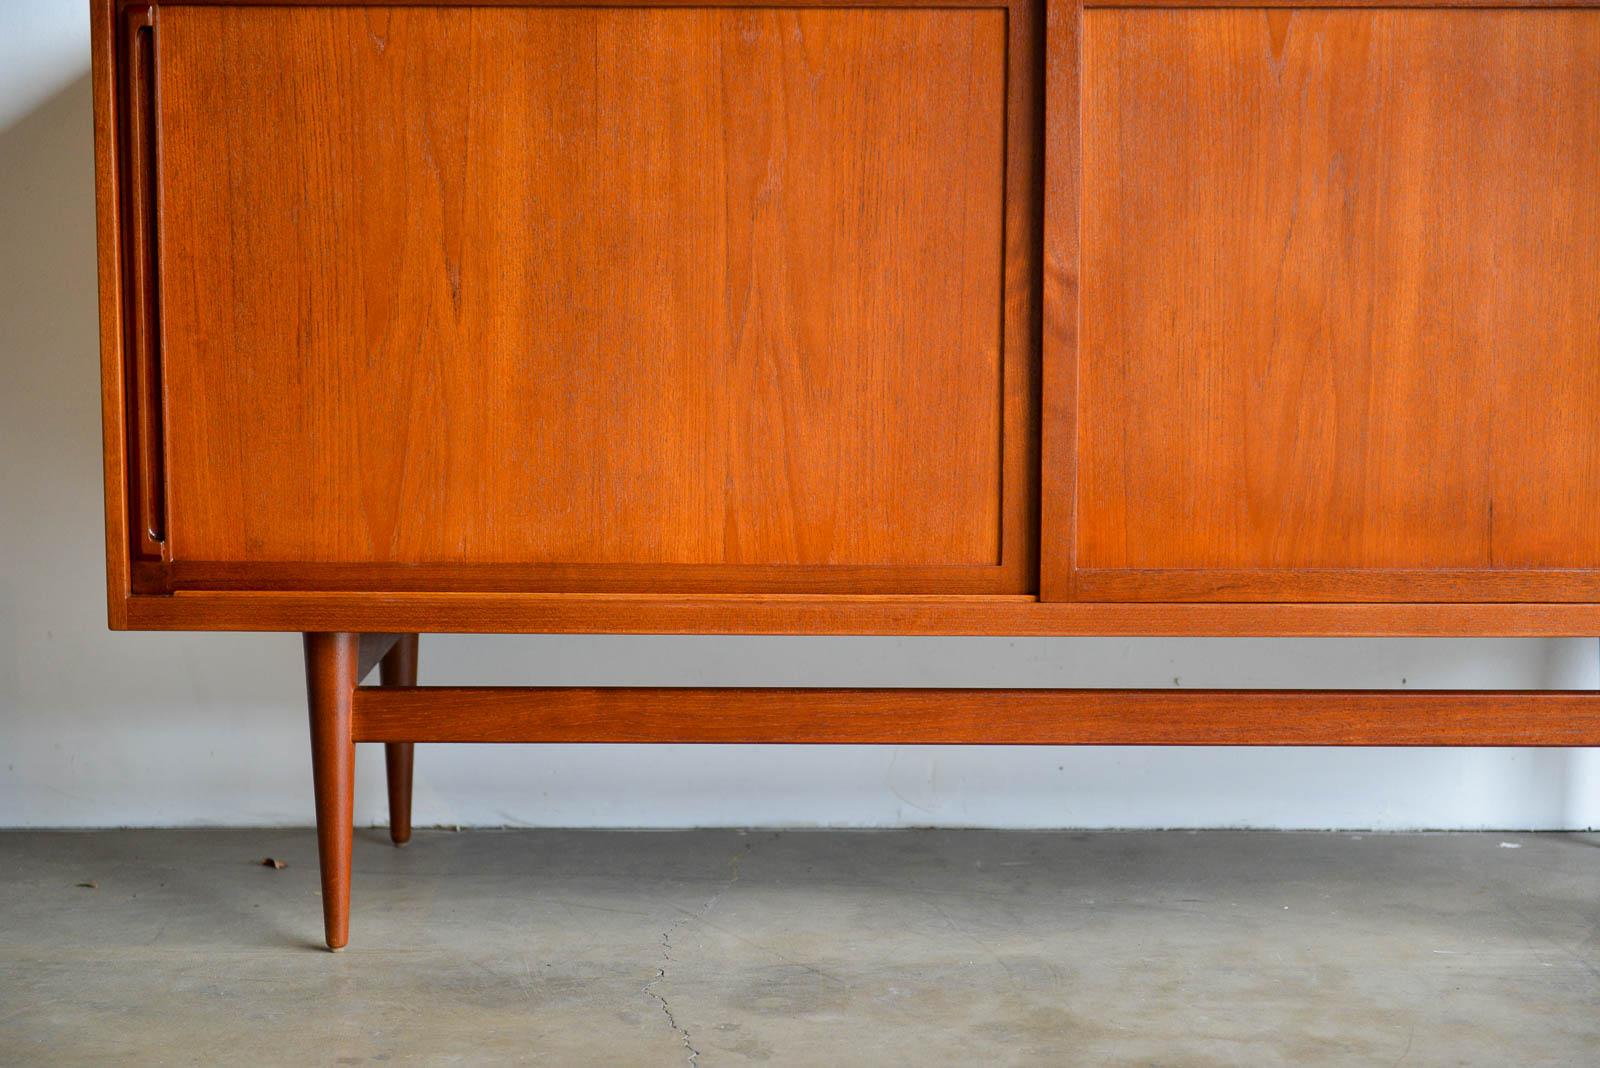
{"points": [[1149, 317]]}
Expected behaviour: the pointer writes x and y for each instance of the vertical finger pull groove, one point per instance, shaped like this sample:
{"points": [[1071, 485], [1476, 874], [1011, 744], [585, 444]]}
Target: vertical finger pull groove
{"points": [[146, 473]]}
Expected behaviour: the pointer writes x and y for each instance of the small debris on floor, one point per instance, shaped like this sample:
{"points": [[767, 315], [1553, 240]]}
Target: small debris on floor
{"points": [[1510, 845], [273, 862], [90, 885]]}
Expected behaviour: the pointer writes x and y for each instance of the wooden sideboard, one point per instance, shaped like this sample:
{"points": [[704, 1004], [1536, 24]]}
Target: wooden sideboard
{"points": [[901, 317]]}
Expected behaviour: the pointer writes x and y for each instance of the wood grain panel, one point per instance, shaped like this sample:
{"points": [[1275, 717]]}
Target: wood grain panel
{"points": [[1311, 4], [975, 717], [560, 613], [1373, 585], [108, 193], [606, 3], [1061, 276], [583, 286], [590, 578], [1341, 296]]}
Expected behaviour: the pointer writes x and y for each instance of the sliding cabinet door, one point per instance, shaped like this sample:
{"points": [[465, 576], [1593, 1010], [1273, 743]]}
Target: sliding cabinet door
{"points": [[654, 298], [1323, 304]]}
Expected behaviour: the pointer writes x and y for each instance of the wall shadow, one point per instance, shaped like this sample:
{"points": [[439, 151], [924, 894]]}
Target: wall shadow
{"points": [[85, 713]]}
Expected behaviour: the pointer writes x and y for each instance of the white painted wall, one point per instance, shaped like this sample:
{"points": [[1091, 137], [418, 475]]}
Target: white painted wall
{"points": [[135, 729]]}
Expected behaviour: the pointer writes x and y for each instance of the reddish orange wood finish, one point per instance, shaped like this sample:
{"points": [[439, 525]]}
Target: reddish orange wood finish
{"points": [[332, 662], [1339, 305], [1447, 4], [1319, 4], [590, 578], [577, 286], [750, 614], [399, 668], [1337, 584], [1061, 278], [108, 191], [1554, 494], [985, 717], [705, 317], [140, 120], [444, 4]]}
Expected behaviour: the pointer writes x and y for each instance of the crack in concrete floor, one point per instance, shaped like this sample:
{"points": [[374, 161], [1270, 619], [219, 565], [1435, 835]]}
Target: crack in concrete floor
{"points": [[666, 952]]}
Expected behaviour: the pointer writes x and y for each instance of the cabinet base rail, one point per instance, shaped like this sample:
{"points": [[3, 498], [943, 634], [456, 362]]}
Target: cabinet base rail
{"points": [[399, 713], [740, 715]]}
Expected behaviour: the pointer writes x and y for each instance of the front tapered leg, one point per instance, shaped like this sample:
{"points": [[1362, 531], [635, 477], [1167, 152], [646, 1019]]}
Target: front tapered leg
{"points": [[332, 664], [399, 668]]}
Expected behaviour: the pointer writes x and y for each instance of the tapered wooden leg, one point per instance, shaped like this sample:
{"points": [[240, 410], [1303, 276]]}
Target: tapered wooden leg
{"points": [[399, 668], [332, 666]]}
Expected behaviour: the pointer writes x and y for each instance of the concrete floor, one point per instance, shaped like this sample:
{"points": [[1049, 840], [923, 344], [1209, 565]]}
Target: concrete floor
{"points": [[805, 948]]}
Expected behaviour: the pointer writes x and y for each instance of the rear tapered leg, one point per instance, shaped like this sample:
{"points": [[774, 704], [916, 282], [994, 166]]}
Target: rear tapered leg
{"points": [[332, 667], [399, 668]]}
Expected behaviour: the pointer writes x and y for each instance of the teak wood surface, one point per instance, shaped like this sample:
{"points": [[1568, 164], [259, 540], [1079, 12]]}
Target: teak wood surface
{"points": [[988, 317], [1339, 305], [332, 672], [1139, 306], [398, 668], [1310, 294], [593, 298], [399, 714], [800, 716]]}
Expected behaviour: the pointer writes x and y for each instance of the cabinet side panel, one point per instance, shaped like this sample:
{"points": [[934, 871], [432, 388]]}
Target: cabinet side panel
{"points": [[1341, 294], [109, 280], [638, 286]]}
